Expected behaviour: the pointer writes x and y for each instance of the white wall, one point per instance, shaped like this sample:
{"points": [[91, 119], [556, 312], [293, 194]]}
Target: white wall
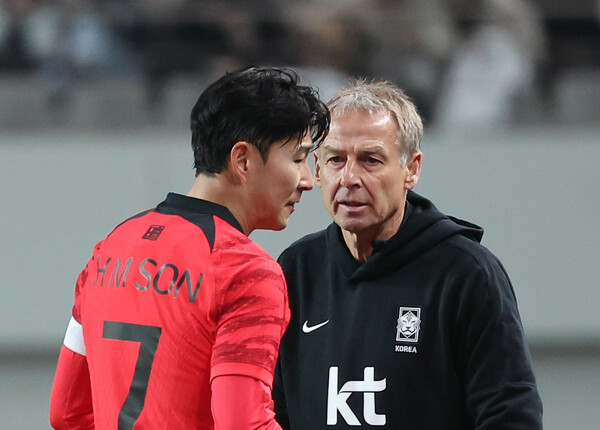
{"points": [[534, 192]]}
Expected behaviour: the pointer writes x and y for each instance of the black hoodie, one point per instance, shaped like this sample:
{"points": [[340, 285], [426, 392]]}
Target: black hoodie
{"points": [[425, 334]]}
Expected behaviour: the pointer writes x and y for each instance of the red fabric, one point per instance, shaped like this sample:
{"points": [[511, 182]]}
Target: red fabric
{"points": [[71, 397], [240, 402], [193, 313]]}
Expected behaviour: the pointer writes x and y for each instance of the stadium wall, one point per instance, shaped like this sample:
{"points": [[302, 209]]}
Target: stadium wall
{"points": [[535, 192]]}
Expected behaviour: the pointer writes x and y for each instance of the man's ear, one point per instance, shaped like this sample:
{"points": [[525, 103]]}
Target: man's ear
{"points": [[317, 169], [240, 160], [414, 170]]}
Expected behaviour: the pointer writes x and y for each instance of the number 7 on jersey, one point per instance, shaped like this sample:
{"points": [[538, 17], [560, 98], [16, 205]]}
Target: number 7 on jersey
{"points": [[148, 337]]}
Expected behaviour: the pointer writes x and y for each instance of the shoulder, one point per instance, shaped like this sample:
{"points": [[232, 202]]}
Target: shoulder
{"points": [[313, 244], [229, 239], [239, 256], [480, 277], [310, 240], [474, 254]]}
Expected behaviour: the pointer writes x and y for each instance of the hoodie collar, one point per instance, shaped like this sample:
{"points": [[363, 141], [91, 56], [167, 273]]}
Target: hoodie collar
{"points": [[423, 227]]}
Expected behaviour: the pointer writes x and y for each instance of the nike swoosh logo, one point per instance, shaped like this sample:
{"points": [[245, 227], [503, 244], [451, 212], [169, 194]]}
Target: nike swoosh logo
{"points": [[307, 329]]}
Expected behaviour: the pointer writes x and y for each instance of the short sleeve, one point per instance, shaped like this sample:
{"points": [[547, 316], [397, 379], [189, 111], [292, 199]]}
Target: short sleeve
{"points": [[81, 279], [253, 318]]}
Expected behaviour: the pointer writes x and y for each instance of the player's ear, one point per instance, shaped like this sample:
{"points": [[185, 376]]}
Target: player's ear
{"points": [[317, 169], [240, 159], [414, 170]]}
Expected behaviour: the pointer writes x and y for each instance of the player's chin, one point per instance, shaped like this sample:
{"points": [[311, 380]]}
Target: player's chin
{"points": [[276, 224], [284, 218], [277, 227]]}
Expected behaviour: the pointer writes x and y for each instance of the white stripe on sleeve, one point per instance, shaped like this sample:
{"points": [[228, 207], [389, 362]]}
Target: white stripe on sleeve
{"points": [[74, 337]]}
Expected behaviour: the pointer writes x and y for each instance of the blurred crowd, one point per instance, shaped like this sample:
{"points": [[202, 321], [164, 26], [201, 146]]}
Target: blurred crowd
{"points": [[486, 63]]}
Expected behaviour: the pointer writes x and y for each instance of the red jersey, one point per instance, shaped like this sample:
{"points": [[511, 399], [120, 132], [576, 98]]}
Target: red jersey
{"points": [[171, 299]]}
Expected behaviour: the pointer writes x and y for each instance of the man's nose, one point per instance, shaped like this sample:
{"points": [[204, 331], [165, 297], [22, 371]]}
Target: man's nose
{"points": [[349, 175], [307, 181]]}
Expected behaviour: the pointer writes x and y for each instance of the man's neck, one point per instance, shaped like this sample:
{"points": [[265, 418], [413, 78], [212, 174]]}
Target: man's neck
{"points": [[218, 189], [360, 244]]}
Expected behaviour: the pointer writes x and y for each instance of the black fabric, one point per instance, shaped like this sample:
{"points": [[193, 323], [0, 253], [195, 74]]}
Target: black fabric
{"points": [[199, 212], [466, 366]]}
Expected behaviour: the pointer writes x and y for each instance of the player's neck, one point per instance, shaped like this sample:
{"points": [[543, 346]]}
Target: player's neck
{"points": [[220, 190]]}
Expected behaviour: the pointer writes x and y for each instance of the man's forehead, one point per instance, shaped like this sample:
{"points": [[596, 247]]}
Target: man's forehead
{"points": [[296, 143], [362, 124], [304, 145], [376, 118], [306, 140]]}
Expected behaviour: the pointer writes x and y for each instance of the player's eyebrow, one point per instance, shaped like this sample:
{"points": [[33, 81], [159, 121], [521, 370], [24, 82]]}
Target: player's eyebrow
{"points": [[304, 148]]}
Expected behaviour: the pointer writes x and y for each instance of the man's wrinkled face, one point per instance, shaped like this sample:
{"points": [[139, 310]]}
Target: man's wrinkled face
{"points": [[363, 181]]}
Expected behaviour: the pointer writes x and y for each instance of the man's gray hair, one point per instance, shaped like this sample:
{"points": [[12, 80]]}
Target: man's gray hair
{"points": [[383, 97]]}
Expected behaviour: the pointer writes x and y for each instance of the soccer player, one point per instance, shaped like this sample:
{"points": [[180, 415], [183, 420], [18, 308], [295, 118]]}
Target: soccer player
{"points": [[400, 317], [178, 315]]}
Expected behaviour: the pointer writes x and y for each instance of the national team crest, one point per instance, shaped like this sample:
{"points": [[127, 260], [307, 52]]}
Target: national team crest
{"points": [[409, 324], [153, 232]]}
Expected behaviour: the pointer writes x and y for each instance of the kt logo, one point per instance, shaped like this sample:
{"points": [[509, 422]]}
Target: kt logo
{"points": [[336, 400]]}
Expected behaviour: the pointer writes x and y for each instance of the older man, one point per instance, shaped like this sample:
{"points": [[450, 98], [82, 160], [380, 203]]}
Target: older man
{"points": [[400, 318]]}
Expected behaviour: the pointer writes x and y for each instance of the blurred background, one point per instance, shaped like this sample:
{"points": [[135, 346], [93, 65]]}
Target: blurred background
{"points": [[95, 98]]}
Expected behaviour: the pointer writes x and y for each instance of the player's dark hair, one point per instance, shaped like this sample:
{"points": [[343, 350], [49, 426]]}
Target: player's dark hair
{"points": [[259, 105]]}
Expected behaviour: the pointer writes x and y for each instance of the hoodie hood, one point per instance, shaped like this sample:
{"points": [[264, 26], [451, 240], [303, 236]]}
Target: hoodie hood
{"points": [[423, 227]]}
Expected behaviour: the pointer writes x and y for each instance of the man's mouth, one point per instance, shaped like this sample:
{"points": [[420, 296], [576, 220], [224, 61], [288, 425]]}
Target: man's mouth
{"points": [[351, 203]]}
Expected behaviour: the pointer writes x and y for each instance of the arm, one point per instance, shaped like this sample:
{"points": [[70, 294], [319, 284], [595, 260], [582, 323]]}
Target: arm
{"points": [[71, 397], [252, 318], [281, 413], [242, 402], [500, 386]]}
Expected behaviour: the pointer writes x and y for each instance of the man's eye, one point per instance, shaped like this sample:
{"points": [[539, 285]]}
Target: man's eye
{"points": [[335, 159], [301, 158]]}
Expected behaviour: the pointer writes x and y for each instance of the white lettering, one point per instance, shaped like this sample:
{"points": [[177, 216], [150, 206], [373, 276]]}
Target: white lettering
{"points": [[336, 400], [403, 348]]}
